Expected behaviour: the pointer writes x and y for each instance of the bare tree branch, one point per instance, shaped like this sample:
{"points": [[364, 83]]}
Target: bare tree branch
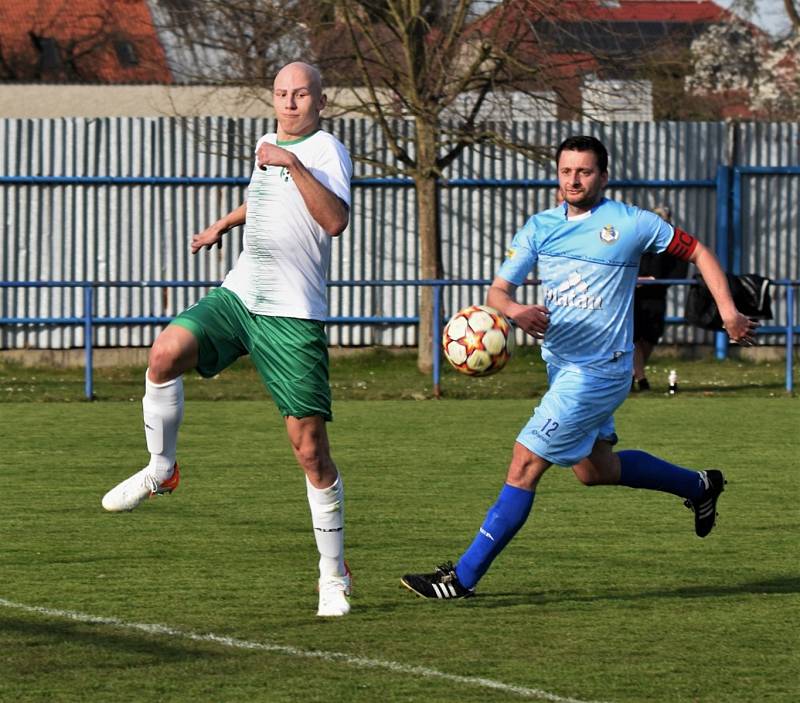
{"points": [[457, 69]]}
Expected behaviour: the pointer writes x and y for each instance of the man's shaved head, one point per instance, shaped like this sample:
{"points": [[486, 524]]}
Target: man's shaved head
{"points": [[299, 70], [298, 100]]}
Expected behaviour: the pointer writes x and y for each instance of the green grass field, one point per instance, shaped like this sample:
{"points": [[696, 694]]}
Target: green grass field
{"points": [[208, 595], [383, 375]]}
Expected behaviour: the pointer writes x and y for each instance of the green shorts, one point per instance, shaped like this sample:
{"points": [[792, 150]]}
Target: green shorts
{"points": [[291, 354]]}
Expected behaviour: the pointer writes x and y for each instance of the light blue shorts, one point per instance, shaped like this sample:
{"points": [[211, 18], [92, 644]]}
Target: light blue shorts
{"points": [[576, 411]]}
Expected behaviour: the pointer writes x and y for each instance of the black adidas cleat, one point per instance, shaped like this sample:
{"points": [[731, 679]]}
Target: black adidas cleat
{"points": [[443, 583], [705, 510]]}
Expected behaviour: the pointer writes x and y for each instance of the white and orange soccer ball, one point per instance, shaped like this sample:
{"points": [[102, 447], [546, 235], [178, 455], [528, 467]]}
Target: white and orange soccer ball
{"points": [[477, 341]]}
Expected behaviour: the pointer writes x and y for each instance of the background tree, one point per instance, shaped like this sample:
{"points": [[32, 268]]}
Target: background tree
{"points": [[747, 72], [792, 8], [457, 71], [447, 66], [230, 42]]}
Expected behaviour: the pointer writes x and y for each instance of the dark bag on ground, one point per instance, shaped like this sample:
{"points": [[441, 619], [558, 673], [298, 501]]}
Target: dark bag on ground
{"points": [[750, 293]]}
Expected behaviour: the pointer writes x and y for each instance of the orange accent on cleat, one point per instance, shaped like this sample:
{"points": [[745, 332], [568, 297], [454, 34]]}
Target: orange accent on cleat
{"points": [[169, 484]]}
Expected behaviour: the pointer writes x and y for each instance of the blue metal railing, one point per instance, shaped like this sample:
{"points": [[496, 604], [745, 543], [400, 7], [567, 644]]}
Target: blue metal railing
{"points": [[364, 182], [88, 320]]}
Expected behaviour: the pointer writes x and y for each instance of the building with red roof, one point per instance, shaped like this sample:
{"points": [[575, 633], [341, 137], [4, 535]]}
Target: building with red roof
{"points": [[580, 41], [631, 56], [80, 41]]}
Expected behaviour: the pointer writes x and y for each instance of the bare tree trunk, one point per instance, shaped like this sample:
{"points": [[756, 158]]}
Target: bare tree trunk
{"points": [[430, 257], [794, 14], [429, 265]]}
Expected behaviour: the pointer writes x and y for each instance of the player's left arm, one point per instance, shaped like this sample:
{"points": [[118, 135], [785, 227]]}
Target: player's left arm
{"points": [[740, 328], [327, 209]]}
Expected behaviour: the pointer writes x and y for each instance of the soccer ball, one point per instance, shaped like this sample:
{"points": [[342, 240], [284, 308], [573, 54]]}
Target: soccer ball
{"points": [[477, 341]]}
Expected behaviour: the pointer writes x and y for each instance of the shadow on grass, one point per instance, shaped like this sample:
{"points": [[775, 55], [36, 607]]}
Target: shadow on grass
{"points": [[732, 389], [152, 645], [705, 390], [783, 584]]}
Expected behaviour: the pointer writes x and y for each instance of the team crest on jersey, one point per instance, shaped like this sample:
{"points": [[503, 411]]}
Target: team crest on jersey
{"points": [[511, 253], [609, 235], [283, 174]]}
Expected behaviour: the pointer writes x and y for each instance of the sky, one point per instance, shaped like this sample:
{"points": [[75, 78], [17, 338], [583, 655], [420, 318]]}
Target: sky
{"points": [[771, 15]]}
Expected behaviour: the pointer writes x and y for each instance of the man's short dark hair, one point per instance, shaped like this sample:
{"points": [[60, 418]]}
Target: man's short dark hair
{"points": [[585, 143]]}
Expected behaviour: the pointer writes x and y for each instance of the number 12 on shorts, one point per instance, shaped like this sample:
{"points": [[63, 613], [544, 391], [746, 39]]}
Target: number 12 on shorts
{"points": [[549, 427]]}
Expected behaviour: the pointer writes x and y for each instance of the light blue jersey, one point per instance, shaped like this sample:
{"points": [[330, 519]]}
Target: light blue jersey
{"points": [[588, 267]]}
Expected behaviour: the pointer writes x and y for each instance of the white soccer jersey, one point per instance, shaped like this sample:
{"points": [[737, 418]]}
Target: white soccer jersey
{"points": [[282, 270]]}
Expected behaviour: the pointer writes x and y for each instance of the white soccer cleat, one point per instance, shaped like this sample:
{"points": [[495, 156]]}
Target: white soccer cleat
{"points": [[127, 495], [333, 593]]}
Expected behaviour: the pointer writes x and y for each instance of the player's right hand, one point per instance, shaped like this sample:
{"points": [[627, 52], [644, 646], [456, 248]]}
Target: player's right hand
{"points": [[272, 155], [207, 238]]}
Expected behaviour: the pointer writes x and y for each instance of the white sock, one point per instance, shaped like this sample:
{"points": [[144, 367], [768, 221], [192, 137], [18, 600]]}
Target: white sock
{"points": [[327, 517], [162, 407]]}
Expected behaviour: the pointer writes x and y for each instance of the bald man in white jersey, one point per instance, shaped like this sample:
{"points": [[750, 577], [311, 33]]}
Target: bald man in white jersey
{"points": [[271, 306], [586, 252]]}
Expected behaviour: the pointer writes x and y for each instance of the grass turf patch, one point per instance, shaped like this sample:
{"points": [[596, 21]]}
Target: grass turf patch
{"points": [[383, 375], [606, 594]]}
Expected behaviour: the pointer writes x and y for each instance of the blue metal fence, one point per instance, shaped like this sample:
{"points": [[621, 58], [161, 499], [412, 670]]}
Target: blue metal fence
{"points": [[479, 215], [88, 320], [471, 256], [744, 214]]}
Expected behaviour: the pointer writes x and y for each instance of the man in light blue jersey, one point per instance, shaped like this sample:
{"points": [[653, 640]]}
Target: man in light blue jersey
{"points": [[272, 306], [587, 253]]}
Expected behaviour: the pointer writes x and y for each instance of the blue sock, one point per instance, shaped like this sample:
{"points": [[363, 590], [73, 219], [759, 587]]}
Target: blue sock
{"points": [[642, 470], [502, 521]]}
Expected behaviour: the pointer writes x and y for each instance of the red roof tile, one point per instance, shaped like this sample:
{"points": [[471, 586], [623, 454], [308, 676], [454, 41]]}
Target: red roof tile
{"points": [[86, 33], [685, 11]]}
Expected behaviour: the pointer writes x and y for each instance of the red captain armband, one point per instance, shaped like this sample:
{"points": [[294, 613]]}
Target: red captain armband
{"points": [[682, 245]]}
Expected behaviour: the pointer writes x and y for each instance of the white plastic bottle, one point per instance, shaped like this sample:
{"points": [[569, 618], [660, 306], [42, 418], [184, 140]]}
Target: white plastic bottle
{"points": [[673, 382]]}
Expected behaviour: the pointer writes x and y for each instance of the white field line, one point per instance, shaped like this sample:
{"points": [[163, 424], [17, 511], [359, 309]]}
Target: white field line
{"points": [[235, 643]]}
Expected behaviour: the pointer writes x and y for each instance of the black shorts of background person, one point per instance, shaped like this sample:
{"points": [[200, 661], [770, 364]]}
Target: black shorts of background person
{"points": [[650, 309]]}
